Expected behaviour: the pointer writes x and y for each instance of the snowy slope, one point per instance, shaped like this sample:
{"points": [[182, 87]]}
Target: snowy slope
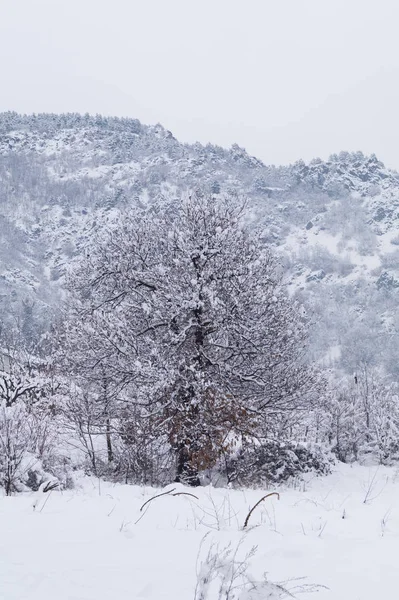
{"points": [[94, 543], [334, 223]]}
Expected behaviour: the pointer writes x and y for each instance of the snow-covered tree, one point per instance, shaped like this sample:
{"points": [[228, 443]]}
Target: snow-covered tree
{"points": [[183, 309], [360, 417], [28, 427]]}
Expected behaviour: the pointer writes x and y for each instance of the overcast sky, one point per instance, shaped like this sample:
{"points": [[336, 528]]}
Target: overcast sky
{"points": [[284, 78]]}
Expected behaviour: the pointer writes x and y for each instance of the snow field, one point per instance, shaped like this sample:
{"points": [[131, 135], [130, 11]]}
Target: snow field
{"points": [[94, 543]]}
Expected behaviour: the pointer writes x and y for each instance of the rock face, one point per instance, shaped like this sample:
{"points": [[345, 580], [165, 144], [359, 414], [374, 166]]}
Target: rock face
{"points": [[334, 223]]}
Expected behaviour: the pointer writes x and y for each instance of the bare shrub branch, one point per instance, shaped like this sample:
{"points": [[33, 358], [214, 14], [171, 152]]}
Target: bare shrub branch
{"points": [[257, 504]]}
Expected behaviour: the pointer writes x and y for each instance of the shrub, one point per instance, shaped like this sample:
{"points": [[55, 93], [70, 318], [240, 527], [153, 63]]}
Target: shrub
{"points": [[274, 462]]}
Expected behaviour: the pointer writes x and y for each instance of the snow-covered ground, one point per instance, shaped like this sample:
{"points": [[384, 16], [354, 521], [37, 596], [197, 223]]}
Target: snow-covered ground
{"points": [[94, 543]]}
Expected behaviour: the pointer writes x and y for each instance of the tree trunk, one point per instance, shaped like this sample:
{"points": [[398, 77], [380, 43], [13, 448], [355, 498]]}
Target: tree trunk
{"points": [[107, 421], [109, 441], [186, 472]]}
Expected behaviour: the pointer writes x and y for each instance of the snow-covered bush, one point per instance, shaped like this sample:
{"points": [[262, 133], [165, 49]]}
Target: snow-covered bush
{"points": [[29, 425], [383, 441], [58, 465], [362, 419], [273, 462], [14, 445], [33, 474], [21, 465]]}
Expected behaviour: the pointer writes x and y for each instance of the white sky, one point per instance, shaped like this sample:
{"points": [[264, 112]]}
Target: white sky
{"points": [[286, 79]]}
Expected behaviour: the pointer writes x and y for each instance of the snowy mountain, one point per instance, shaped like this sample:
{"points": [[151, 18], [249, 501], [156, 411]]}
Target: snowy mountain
{"points": [[334, 223]]}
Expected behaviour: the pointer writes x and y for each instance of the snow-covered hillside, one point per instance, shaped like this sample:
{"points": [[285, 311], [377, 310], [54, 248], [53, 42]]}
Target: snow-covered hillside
{"points": [[334, 223], [218, 381], [94, 542]]}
